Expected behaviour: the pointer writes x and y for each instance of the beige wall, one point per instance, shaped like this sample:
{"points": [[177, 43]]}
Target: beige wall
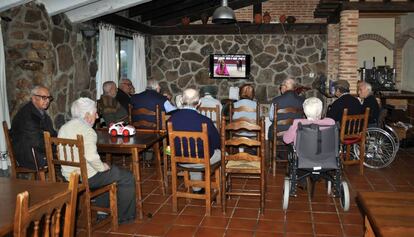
{"points": [[407, 25], [367, 49]]}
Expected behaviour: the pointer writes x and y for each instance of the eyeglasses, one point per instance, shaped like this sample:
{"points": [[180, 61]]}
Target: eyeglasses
{"points": [[44, 98]]}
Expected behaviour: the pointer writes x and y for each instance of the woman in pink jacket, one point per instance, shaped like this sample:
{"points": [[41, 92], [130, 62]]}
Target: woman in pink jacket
{"points": [[313, 111]]}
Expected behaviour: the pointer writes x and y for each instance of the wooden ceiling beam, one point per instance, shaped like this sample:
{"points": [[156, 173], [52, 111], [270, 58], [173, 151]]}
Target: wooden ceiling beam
{"points": [[181, 9], [152, 6], [396, 7], [195, 12], [124, 22]]}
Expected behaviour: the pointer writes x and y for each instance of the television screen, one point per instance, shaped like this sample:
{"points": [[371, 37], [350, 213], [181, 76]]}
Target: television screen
{"points": [[229, 66]]}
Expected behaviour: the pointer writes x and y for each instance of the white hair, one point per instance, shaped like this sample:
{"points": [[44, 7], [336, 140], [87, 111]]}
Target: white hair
{"points": [[107, 86], [152, 84], [191, 97], [35, 89], [289, 83], [368, 87], [82, 106], [313, 108]]}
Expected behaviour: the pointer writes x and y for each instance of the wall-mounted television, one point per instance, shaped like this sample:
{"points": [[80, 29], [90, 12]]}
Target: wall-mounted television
{"points": [[229, 66]]}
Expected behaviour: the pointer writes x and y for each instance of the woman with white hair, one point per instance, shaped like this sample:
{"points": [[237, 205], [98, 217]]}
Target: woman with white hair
{"points": [[99, 173], [313, 111]]}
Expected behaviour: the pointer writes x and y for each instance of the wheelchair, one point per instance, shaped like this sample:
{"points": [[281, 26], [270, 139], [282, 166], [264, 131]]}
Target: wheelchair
{"points": [[381, 145], [315, 156]]}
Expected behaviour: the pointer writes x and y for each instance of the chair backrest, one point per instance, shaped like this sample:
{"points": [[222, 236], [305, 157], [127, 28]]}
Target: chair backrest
{"points": [[353, 126], [279, 122], [213, 113], [257, 143], [149, 120], [317, 146], [189, 146], [66, 152], [244, 109], [47, 215], [10, 150]]}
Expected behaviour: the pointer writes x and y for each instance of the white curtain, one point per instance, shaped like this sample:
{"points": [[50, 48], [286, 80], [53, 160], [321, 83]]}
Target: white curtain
{"points": [[4, 107], [139, 68], [107, 58]]}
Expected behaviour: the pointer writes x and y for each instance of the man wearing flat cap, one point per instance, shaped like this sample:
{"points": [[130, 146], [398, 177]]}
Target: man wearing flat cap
{"points": [[344, 100]]}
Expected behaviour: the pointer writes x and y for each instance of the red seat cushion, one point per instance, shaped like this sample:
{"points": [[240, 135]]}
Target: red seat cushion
{"points": [[350, 141]]}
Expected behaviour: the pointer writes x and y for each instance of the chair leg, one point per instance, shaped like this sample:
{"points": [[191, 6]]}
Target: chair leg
{"points": [[361, 157], [348, 152], [217, 186], [108, 158], [41, 175], [223, 189], [174, 186], [113, 201], [207, 195], [88, 216]]}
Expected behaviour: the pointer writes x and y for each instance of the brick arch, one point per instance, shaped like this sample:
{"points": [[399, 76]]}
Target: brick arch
{"points": [[375, 37], [404, 37]]}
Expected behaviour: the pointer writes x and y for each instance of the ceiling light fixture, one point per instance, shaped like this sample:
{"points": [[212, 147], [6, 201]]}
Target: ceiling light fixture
{"points": [[224, 14]]}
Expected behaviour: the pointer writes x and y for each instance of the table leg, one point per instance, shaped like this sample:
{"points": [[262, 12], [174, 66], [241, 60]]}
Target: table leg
{"points": [[137, 174], [156, 148]]}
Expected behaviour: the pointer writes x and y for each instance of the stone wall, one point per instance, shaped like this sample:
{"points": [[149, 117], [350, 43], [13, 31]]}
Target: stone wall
{"points": [[180, 62], [49, 51]]}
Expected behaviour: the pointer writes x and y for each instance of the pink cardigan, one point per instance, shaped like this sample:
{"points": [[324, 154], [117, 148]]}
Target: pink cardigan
{"points": [[290, 135]]}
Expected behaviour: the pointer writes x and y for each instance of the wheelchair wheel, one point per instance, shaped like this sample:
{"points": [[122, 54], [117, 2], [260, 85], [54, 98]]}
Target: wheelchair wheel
{"points": [[394, 135], [329, 187], [344, 197], [380, 149], [286, 193]]}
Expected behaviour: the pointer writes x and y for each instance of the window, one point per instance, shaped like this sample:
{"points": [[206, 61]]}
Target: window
{"points": [[124, 48]]}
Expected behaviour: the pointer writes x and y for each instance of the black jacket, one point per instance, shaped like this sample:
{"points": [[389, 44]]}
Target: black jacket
{"points": [[27, 133], [123, 98], [371, 103], [336, 109]]}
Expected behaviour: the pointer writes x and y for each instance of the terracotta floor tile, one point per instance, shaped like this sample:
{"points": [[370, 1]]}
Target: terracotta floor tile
{"points": [[194, 211], [298, 235], [299, 227], [181, 231], [188, 220], [327, 229], [277, 215], [130, 228], [239, 233], [152, 229], [298, 216], [246, 224], [352, 218], [320, 217], [268, 234], [213, 221], [163, 218], [270, 226], [353, 230], [209, 232], [322, 207], [246, 213]]}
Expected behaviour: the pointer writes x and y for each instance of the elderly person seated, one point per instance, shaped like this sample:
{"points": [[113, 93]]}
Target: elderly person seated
{"points": [[99, 173], [188, 119], [109, 107], [368, 100], [246, 95], [312, 108]]}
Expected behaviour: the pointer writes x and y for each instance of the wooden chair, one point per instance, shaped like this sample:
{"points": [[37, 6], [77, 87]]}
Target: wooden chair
{"points": [[70, 152], [236, 162], [213, 113], [51, 209], [244, 109], [145, 124], [353, 131], [15, 169], [158, 125], [277, 142], [189, 154]]}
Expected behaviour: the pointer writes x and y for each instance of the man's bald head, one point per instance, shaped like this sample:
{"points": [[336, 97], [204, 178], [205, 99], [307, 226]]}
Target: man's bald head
{"points": [[191, 97], [288, 84]]}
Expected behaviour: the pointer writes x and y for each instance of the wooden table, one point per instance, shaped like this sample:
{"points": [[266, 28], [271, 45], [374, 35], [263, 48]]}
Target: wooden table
{"points": [[388, 213], [133, 145], [9, 188]]}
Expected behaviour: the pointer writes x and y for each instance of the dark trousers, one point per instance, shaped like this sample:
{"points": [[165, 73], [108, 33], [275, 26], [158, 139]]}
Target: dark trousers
{"points": [[126, 191]]}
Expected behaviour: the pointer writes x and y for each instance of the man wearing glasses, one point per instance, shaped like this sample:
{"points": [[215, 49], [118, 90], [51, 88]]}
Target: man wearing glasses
{"points": [[125, 91], [27, 129]]}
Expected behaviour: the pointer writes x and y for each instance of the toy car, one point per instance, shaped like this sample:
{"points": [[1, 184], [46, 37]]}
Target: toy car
{"points": [[119, 129]]}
